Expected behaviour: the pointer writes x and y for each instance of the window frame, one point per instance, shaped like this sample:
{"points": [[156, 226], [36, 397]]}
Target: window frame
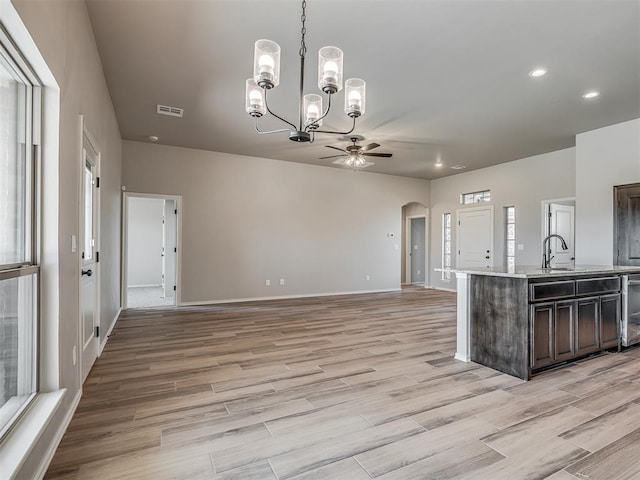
{"points": [[446, 276], [30, 264], [507, 240], [480, 196]]}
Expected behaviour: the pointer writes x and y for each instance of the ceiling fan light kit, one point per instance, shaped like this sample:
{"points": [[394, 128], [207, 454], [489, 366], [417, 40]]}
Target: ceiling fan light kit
{"points": [[353, 155], [266, 75]]}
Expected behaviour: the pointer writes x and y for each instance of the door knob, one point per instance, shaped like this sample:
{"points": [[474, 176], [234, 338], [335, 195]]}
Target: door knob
{"points": [[88, 273]]}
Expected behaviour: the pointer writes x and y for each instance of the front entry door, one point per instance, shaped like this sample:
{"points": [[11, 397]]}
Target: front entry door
{"points": [[417, 252], [88, 239], [475, 238], [626, 237]]}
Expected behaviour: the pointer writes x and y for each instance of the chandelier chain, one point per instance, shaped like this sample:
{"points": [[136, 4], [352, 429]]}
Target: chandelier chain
{"points": [[303, 31]]}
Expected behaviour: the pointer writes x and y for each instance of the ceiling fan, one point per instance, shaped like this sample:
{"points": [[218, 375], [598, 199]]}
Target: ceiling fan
{"points": [[353, 155]]}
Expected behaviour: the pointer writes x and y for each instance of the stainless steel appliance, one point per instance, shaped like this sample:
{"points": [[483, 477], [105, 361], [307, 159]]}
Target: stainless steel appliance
{"points": [[630, 309]]}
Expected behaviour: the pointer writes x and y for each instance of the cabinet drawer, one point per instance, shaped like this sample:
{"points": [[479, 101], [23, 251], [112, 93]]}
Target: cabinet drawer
{"points": [[552, 290], [597, 285]]}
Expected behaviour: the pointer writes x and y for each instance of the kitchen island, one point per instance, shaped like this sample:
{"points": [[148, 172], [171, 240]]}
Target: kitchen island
{"points": [[526, 319]]}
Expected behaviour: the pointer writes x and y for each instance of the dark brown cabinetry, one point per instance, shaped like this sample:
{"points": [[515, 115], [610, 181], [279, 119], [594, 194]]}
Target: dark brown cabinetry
{"points": [[610, 313], [552, 333], [573, 318]]}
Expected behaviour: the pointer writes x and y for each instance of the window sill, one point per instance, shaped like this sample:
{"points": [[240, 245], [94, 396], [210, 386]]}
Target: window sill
{"points": [[17, 446]]}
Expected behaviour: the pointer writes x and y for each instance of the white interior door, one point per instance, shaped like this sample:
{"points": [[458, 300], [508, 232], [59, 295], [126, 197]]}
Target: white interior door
{"points": [[88, 243], [562, 222], [475, 238]]}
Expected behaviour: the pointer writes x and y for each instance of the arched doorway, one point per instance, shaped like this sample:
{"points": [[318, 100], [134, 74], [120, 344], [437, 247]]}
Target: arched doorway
{"points": [[415, 243]]}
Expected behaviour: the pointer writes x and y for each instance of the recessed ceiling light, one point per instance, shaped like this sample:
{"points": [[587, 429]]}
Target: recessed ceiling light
{"points": [[153, 138], [538, 72], [592, 94], [458, 167]]}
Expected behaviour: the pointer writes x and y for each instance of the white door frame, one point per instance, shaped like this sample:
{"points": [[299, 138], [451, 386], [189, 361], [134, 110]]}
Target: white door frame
{"points": [[545, 205], [491, 231], [408, 247], [125, 238], [85, 133]]}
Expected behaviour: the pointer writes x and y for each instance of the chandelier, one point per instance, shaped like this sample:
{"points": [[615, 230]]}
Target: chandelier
{"points": [[266, 75]]}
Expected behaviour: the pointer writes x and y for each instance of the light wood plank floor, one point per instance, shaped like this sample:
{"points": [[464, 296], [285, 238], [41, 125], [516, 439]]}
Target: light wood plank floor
{"points": [[346, 387]]}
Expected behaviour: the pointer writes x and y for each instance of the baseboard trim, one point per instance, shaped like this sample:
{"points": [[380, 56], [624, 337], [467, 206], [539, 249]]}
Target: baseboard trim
{"points": [[284, 297], [48, 456], [445, 289], [106, 337], [462, 358]]}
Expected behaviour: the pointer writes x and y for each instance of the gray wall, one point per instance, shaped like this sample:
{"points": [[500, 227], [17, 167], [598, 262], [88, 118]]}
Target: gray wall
{"points": [[522, 183], [605, 157], [62, 32], [245, 220], [144, 232]]}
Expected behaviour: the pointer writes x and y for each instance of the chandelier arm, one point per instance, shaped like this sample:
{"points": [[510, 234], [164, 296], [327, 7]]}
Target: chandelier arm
{"points": [[262, 132], [339, 133], [266, 104]]}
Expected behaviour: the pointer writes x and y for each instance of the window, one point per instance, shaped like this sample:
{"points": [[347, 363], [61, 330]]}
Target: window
{"points": [[446, 245], [475, 197], [19, 271], [510, 236]]}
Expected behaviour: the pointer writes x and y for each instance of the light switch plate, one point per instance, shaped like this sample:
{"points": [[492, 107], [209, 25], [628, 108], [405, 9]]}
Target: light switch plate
{"points": [[74, 244]]}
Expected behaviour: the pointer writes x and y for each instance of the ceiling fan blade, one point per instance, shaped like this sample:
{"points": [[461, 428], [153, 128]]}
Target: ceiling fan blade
{"points": [[336, 148], [371, 146], [331, 156], [385, 155]]}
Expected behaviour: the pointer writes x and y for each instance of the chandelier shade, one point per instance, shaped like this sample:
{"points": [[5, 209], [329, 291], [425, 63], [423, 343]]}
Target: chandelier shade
{"points": [[354, 97], [311, 113], [330, 69], [254, 99], [266, 64], [312, 110]]}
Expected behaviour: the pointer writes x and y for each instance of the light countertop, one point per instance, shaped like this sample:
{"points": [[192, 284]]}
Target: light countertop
{"points": [[531, 271]]}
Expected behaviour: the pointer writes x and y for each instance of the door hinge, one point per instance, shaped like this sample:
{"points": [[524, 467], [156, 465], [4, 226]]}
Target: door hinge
{"points": [[97, 257], [175, 250], [174, 288], [97, 182], [175, 211], [98, 331]]}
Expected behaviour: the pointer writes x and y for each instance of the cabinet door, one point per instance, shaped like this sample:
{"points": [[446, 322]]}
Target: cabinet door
{"points": [[542, 335], [609, 320], [588, 325], [563, 330]]}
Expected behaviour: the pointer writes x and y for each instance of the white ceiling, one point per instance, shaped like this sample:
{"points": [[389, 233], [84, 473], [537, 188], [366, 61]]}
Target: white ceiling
{"points": [[445, 78]]}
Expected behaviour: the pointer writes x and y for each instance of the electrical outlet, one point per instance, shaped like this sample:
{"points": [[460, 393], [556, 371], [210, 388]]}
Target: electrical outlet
{"points": [[282, 281], [75, 355], [368, 277], [267, 283]]}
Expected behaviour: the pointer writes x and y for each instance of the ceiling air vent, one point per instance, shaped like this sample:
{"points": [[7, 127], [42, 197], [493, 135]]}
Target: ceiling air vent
{"points": [[171, 111]]}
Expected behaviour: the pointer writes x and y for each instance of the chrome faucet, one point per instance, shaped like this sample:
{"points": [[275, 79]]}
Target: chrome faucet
{"points": [[547, 261]]}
